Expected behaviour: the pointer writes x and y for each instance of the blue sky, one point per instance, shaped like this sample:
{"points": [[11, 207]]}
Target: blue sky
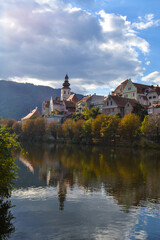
{"points": [[99, 43]]}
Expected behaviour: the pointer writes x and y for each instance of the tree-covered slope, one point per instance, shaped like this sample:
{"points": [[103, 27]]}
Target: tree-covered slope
{"points": [[17, 99]]}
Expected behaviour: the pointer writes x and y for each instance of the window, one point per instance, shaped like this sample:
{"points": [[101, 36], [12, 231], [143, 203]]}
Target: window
{"points": [[126, 95], [150, 97], [154, 96], [128, 105], [111, 102], [107, 103], [64, 92], [112, 109], [129, 88], [133, 94], [109, 110]]}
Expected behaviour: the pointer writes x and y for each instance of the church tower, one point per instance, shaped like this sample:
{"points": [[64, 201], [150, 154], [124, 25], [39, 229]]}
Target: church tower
{"points": [[65, 90]]}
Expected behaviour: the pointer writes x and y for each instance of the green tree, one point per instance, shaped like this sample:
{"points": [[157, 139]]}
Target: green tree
{"points": [[140, 111], [8, 143], [8, 122], [91, 113], [129, 126]]}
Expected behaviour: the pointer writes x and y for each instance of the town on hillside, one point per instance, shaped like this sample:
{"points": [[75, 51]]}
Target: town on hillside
{"points": [[120, 102]]}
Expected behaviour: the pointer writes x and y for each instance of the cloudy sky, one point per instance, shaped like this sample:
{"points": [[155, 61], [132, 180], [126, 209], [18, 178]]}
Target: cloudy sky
{"points": [[99, 43]]}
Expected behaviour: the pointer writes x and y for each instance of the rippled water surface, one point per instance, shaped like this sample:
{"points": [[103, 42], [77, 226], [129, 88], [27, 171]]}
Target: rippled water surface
{"points": [[79, 192]]}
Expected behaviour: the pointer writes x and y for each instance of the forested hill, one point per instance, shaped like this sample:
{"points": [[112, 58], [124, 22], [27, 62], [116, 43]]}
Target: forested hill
{"points": [[17, 99]]}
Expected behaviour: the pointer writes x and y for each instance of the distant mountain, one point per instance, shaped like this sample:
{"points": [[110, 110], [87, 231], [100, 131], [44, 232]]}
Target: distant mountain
{"points": [[17, 99]]}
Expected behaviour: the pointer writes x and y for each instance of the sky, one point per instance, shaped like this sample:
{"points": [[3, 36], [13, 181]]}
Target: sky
{"points": [[98, 43]]}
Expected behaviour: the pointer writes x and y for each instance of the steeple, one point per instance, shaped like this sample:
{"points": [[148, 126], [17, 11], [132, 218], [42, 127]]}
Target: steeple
{"points": [[65, 90], [66, 84]]}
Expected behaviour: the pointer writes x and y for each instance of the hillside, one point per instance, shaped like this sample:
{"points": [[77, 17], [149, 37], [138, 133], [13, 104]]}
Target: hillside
{"points": [[17, 99]]}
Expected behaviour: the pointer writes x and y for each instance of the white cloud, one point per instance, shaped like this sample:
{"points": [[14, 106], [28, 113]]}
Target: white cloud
{"points": [[42, 40], [153, 78], [148, 63], [147, 22]]}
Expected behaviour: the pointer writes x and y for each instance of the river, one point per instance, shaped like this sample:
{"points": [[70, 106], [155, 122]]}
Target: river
{"points": [[82, 192]]}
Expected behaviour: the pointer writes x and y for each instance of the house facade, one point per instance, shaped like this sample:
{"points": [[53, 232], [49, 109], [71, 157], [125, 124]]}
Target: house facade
{"points": [[95, 101], [144, 94], [116, 105]]}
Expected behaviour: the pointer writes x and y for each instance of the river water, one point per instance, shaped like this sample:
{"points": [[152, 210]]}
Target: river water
{"points": [[81, 192]]}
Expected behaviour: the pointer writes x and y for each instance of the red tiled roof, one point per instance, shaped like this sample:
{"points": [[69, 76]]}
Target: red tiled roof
{"points": [[84, 99], [35, 113], [141, 87], [121, 101], [121, 86], [73, 98]]}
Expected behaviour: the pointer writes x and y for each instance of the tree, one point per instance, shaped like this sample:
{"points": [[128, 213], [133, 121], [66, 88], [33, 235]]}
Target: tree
{"points": [[91, 113], [140, 111], [129, 126], [67, 128], [39, 127], [86, 131], [8, 122], [52, 129], [96, 127], [16, 127], [28, 130], [109, 127], [77, 129], [8, 143]]}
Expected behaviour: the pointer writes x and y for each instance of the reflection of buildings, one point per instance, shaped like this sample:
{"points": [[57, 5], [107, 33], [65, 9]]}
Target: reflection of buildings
{"points": [[126, 176]]}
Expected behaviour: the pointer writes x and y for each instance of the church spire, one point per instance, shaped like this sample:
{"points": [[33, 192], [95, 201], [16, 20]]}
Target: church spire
{"points": [[66, 84], [65, 90]]}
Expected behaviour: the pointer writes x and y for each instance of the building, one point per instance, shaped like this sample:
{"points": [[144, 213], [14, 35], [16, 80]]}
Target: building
{"points": [[33, 114], [65, 90], [45, 107], [65, 106], [154, 109], [116, 105], [57, 104], [95, 101], [81, 104]]}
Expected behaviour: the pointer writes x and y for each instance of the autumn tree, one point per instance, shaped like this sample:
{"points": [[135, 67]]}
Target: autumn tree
{"points": [[8, 122], [129, 126], [51, 128], [91, 113], [86, 131], [39, 127], [96, 127], [17, 128], [28, 129], [67, 128], [109, 127], [77, 129]]}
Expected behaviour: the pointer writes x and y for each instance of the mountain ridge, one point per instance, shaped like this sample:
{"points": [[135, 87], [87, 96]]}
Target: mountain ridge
{"points": [[17, 99]]}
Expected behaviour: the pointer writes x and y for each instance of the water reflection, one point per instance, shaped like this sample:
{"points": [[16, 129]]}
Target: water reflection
{"points": [[131, 177], [6, 220]]}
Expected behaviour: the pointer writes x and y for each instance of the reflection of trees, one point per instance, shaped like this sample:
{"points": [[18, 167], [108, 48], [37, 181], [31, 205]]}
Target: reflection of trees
{"points": [[128, 175], [6, 217]]}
